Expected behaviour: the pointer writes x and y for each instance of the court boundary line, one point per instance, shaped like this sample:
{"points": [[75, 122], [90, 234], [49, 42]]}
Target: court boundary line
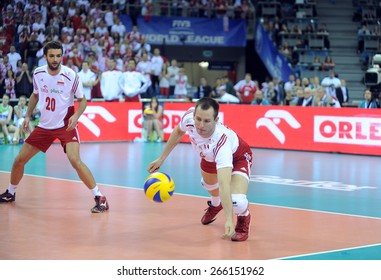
{"points": [[330, 251], [199, 196]]}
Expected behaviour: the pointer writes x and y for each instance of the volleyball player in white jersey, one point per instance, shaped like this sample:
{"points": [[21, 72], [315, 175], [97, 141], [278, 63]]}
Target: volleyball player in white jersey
{"points": [[226, 161], [54, 87]]}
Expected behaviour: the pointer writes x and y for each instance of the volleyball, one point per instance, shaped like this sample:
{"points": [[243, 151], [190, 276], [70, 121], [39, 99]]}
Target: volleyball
{"points": [[159, 187], [148, 112]]}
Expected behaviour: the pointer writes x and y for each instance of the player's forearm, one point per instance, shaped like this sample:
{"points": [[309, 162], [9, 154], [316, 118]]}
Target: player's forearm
{"points": [[224, 183], [81, 107], [173, 140], [33, 99]]}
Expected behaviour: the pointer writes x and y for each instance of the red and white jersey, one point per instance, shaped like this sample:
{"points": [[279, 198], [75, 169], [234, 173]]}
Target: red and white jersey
{"points": [[56, 95], [220, 147], [246, 90]]}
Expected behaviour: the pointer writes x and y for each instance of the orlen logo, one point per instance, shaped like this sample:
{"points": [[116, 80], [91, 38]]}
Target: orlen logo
{"points": [[347, 130], [272, 119], [170, 120], [89, 115]]}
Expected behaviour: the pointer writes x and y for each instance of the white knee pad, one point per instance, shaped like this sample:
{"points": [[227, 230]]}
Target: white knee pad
{"points": [[240, 203], [208, 187]]}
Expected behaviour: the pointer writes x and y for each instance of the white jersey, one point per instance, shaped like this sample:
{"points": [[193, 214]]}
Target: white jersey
{"points": [[56, 95], [110, 88], [133, 83], [218, 148]]}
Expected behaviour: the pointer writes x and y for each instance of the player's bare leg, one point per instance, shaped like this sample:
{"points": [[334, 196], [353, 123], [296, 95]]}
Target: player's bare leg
{"points": [[84, 173], [26, 153]]}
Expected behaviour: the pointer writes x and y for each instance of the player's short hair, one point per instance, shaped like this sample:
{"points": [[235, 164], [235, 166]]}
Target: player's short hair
{"points": [[206, 102], [52, 45]]}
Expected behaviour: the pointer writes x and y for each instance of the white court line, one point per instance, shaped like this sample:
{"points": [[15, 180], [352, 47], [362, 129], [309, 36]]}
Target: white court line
{"points": [[200, 196], [332, 251]]}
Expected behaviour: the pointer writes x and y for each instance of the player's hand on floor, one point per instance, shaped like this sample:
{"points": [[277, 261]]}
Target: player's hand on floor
{"points": [[229, 230]]}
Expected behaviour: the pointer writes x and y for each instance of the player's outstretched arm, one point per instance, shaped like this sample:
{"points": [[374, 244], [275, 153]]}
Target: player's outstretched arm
{"points": [[224, 183], [176, 136]]}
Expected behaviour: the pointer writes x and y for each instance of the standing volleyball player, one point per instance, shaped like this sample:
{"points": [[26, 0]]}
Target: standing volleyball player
{"points": [[226, 161], [54, 87]]}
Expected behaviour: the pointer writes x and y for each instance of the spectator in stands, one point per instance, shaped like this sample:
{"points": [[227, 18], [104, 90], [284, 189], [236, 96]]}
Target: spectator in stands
{"points": [[323, 99], [135, 38], [226, 97], [181, 84], [133, 83], [109, 81], [13, 56], [229, 85], [259, 99], [323, 30], [164, 81], [361, 34], [144, 66], [31, 50], [368, 102], [24, 82], [6, 127], [203, 90], [157, 62], [118, 27], [88, 78], [271, 94], [154, 122], [288, 87], [245, 89], [9, 84], [306, 100], [342, 93], [331, 83], [216, 89], [19, 114], [287, 52], [173, 71], [328, 64]]}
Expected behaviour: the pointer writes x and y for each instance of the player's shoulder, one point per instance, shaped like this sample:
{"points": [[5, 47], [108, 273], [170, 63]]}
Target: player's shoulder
{"points": [[40, 70], [68, 73], [188, 116]]}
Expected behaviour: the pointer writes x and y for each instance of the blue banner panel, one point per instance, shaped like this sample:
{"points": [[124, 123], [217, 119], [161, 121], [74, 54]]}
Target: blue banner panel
{"points": [[274, 61], [215, 32]]}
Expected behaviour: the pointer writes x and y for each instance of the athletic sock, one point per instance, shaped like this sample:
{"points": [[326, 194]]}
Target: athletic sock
{"points": [[12, 189], [216, 201], [96, 191]]}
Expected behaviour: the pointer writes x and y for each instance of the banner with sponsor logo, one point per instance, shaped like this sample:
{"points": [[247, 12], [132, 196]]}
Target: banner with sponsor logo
{"points": [[274, 61], [342, 130], [211, 32]]}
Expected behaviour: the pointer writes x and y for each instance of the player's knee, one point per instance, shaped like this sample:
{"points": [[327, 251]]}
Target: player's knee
{"points": [[240, 203], [209, 187]]}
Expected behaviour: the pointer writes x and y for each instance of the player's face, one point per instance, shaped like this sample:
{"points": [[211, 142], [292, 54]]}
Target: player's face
{"points": [[53, 58], [205, 122]]}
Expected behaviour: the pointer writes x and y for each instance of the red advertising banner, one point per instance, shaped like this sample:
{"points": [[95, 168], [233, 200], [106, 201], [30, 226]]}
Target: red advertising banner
{"points": [[342, 130]]}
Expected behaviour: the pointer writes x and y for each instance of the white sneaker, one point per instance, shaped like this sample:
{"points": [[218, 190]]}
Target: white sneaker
{"points": [[9, 139], [158, 140]]}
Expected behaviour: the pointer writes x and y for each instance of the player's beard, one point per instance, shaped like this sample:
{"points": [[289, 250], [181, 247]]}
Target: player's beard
{"points": [[52, 67]]}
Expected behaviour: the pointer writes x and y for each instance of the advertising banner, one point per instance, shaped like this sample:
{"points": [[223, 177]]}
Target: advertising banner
{"points": [[274, 61], [208, 32], [341, 130]]}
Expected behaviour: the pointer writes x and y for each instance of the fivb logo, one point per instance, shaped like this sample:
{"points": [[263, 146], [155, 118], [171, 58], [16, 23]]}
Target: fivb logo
{"points": [[272, 119], [89, 115], [181, 23]]}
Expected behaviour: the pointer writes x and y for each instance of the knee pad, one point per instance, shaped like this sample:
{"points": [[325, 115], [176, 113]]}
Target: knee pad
{"points": [[240, 203], [208, 187]]}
